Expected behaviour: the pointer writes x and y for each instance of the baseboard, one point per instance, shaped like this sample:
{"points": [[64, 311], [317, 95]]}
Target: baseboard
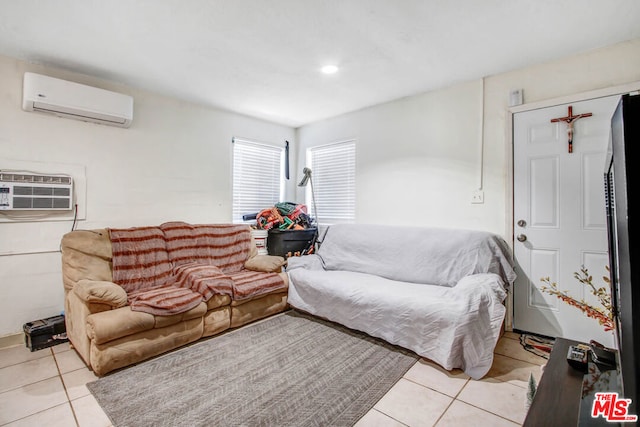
{"points": [[11, 340]]}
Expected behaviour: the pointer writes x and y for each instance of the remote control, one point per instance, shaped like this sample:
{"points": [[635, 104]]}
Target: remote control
{"points": [[577, 357]]}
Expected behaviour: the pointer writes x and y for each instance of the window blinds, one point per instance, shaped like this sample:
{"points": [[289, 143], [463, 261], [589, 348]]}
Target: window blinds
{"points": [[257, 177], [334, 182]]}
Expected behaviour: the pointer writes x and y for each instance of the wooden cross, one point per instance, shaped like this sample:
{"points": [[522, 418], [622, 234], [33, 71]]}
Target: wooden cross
{"points": [[570, 119]]}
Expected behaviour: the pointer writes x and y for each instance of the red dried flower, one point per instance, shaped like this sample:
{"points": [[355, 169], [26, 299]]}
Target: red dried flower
{"points": [[604, 315]]}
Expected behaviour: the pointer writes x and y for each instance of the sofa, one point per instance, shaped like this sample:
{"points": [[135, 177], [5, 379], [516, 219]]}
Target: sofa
{"points": [[437, 292], [131, 294]]}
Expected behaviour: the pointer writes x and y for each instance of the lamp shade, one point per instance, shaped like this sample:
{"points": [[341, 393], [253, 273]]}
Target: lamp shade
{"points": [[305, 179]]}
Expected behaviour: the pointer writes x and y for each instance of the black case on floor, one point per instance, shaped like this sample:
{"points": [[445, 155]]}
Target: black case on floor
{"points": [[45, 333]]}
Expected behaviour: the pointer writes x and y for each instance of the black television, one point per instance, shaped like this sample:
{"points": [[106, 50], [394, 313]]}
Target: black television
{"points": [[622, 180]]}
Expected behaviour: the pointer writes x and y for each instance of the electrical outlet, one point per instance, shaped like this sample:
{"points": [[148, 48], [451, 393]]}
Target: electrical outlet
{"points": [[477, 196]]}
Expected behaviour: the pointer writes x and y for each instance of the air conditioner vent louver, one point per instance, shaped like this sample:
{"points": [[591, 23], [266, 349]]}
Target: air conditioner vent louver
{"points": [[45, 179], [41, 192]]}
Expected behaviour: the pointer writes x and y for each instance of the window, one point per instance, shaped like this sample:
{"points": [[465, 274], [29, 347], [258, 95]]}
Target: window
{"points": [[333, 171], [258, 177]]}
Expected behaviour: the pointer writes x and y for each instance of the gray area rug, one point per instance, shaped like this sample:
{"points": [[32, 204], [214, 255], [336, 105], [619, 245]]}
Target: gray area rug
{"points": [[289, 370]]}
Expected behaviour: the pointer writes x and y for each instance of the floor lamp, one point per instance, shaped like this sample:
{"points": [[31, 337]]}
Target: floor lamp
{"points": [[307, 179]]}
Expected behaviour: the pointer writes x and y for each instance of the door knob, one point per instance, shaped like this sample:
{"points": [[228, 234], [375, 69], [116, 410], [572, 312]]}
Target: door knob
{"points": [[521, 237], [522, 223]]}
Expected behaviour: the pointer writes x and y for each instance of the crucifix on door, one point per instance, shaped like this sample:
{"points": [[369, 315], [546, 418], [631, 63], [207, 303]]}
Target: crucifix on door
{"points": [[570, 119]]}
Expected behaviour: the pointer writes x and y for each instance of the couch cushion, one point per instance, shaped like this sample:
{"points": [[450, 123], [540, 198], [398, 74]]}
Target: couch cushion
{"points": [[110, 325], [135, 348], [86, 254], [140, 259], [251, 310], [90, 242], [227, 246], [198, 311], [207, 280], [250, 284], [218, 301], [164, 301], [415, 254], [122, 322], [265, 263]]}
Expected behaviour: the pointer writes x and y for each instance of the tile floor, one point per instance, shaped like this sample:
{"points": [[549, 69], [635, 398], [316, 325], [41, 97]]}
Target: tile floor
{"points": [[47, 387]]}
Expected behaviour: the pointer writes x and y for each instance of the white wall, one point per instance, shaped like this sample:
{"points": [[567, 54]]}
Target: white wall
{"points": [[173, 163], [418, 158]]}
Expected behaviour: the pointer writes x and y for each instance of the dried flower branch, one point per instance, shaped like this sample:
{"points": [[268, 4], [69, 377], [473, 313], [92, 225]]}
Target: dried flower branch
{"points": [[604, 314]]}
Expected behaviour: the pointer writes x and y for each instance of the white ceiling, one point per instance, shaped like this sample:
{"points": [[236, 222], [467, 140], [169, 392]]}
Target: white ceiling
{"points": [[262, 58]]}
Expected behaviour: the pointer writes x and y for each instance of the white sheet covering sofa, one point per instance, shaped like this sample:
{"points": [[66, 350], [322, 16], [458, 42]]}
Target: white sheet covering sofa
{"points": [[437, 292]]}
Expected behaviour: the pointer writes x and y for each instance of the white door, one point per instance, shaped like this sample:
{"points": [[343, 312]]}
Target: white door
{"points": [[559, 210]]}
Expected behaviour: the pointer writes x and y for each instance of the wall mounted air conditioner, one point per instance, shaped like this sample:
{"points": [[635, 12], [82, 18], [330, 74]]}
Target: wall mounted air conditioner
{"points": [[76, 101], [25, 191]]}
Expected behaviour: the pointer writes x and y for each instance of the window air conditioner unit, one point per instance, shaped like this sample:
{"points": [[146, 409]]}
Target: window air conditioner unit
{"points": [[76, 101], [23, 191]]}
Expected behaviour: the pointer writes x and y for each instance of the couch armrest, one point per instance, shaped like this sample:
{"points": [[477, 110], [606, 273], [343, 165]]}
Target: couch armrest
{"points": [[265, 263], [101, 292], [308, 262]]}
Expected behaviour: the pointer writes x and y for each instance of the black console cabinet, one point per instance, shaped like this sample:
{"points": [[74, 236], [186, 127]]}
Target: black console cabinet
{"points": [[557, 400], [566, 396]]}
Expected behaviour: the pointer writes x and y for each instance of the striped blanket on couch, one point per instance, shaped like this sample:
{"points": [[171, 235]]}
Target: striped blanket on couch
{"points": [[172, 268], [142, 268]]}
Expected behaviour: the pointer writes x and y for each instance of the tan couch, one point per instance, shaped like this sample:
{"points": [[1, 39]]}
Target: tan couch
{"points": [[108, 335]]}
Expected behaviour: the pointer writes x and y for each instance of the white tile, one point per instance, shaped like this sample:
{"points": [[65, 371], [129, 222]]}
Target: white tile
{"points": [[58, 416], [30, 399], [65, 346], [89, 413], [462, 414], [375, 418], [19, 353], [19, 375], [513, 371], [69, 361], [513, 348], [75, 382], [430, 375], [500, 398], [413, 404]]}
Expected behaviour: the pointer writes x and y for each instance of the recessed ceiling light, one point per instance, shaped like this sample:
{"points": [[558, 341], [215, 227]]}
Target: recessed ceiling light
{"points": [[329, 69]]}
